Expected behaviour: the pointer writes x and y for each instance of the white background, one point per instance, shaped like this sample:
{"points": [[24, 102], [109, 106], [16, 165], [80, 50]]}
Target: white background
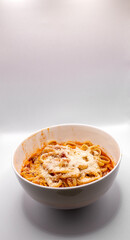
{"points": [[64, 61]]}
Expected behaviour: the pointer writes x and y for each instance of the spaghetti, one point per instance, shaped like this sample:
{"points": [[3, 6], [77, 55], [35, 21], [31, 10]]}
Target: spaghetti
{"points": [[67, 164]]}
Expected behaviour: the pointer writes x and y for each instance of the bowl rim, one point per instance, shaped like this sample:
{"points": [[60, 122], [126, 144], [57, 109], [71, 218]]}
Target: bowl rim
{"points": [[74, 187]]}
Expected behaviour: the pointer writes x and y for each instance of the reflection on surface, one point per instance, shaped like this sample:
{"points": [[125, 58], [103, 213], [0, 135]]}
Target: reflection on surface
{"points": [[74, 222]]}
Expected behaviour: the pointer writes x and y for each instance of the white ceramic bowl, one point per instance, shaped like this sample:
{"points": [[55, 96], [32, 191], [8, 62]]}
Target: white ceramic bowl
{"points": [[70, 197]]}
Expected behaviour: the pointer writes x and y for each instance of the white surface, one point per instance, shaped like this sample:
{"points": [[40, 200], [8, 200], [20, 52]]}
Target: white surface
{"points": [[64, 61]]}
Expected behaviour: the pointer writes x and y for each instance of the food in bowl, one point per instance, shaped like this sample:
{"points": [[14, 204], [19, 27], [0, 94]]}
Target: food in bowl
{"points": [[67, 164], [67, 197]]}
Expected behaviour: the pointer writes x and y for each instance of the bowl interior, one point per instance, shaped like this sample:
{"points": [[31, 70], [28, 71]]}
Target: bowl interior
{"points": [[64, 133]]}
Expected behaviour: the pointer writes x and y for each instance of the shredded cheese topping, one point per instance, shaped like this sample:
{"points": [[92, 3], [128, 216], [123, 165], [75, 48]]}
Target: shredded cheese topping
{"points": [[67, 164]]}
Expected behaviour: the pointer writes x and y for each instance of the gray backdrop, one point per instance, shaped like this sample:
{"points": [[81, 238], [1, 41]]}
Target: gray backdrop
{"points": [[64, 61]]}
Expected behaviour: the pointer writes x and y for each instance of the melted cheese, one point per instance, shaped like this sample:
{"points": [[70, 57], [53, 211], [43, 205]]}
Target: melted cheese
{"points": [[71, 165]]}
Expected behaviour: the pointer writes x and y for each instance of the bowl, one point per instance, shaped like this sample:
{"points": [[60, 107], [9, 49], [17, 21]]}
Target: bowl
{"points": [[69, 197]]}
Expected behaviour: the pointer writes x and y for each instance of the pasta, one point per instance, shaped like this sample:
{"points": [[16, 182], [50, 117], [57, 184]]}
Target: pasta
{"points": [[67, 164]]}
